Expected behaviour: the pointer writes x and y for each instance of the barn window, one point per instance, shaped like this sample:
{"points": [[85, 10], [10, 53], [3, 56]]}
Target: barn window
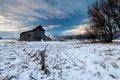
{"points": [[29, 35]]}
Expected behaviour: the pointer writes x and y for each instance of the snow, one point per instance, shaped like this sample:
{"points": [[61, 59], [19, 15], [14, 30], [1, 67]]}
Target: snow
{"points": [[71, 60]]}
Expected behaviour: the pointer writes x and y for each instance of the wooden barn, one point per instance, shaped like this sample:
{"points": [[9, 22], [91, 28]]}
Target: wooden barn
{"points": [[37, 34]]}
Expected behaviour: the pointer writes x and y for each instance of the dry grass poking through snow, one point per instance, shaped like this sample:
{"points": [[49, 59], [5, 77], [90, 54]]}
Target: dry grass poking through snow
{"points": [[64, 60]]}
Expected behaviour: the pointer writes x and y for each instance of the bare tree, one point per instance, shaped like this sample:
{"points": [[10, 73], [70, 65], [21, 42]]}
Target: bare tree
{"points": [[91, 34], [105, 15]]}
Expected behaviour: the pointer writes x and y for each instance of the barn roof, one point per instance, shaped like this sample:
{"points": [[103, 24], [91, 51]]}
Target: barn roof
{"points": [[38, 27]]}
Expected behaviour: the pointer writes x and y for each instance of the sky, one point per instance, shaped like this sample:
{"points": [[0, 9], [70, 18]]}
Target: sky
{"points": [[58, 17]]}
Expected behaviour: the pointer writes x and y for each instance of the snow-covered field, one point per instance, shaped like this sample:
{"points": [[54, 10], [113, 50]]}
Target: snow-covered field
{"points": [[65, 61]]}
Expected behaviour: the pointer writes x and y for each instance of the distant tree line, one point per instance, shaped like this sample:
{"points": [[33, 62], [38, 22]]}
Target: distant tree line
{"points": [[105, 18], [0, 37]]}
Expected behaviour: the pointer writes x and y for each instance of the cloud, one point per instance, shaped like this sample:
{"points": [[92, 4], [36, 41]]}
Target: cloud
{"points": [[38, 8], [17, 15], [51, 27], [14, 29], [1, 17], [7, 24], [80, 29], [44, 9], [85, 20], [11, 25]]}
